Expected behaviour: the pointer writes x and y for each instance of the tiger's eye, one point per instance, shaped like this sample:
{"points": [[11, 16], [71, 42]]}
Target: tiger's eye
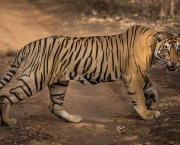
{"points": [[166, 48]]}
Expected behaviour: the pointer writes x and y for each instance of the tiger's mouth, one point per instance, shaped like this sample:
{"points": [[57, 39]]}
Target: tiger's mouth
{"points": [[171, 67]]}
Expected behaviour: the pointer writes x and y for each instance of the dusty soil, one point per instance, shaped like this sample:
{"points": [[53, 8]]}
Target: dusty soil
{"points": [[104, 107]]}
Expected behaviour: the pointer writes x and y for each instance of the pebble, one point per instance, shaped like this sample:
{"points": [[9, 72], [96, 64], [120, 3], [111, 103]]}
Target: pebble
{"points": [[94, 134], [117, 18], [146, 130], [94, 12], [110, 19], [121, 129]]}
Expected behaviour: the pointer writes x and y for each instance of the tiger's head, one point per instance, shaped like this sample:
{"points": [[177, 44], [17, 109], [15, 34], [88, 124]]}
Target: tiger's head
{"points": [[168, 49]]}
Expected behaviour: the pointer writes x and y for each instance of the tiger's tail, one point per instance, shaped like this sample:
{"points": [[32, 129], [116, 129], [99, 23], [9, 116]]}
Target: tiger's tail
{"points": [[13, 68]]}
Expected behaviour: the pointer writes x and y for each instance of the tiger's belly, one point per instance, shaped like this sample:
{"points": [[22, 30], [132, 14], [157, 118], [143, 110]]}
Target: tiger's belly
{"points": [[92, 81]]}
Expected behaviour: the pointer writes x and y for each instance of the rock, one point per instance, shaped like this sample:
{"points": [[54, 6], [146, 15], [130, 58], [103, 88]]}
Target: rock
{"points": [[94, 134], [93, 19], [101, 20], [135, 14], [146, 130], [166, 119], [38, 127], [164, 125], [109, 19], [117, 18], [106, 127], [120, 128], [94, 12]]}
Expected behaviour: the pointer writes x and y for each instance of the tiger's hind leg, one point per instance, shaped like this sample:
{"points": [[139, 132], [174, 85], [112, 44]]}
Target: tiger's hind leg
{"points": [[5, 104], [57, 94], [20, 92]]}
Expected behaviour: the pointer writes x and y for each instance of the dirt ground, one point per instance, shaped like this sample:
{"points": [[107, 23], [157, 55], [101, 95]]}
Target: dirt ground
{"points": [[104, 107]]}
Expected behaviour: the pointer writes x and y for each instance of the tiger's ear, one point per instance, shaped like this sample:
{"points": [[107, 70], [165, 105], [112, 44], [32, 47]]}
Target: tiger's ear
{"points": [[159, 36]]}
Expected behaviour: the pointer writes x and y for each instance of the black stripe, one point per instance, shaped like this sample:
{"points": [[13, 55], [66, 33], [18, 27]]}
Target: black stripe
{"points": [[145, 30], [77, 43], [76, 67], [130, 93], [101, 65], [141, 72], [36, 79], [88, 67], [16, 96], [67, 41], [13, 72], [26, 85], [2, 83], [131, 37], [24, 91], [116, 73], [6, 98], [85, 63], [78, 52], [72, 45], [142, 29], [63, 64], [112, 60], [86, 47], [107, 50], [54, 41], [135, 35], [117, 51], [6, 80], [9, 75], [41, 82], [57, 94], [96, 50], [105, 72], [128, 83], [69, 60], [59, 84], [127, 38], [94, 71], [64, 55]]}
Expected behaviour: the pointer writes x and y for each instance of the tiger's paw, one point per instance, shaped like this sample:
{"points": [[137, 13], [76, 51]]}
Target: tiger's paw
{"points": [[146, 114], [150, 114], [74, 119], [9, 122]]}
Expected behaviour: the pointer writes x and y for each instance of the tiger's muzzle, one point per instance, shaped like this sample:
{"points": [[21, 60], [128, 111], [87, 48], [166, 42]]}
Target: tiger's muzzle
{"points": [[171, 67]]}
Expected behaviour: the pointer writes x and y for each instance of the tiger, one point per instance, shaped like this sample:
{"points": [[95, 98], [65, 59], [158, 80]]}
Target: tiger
{"points": [[55, 60]]}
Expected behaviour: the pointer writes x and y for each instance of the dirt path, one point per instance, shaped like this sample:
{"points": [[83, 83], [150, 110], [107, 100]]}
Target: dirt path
{"points": [[103, 106]]}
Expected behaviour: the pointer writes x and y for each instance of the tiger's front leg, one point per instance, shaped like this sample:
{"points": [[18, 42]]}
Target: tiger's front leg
{"points": [[57, 94], [134, 85], [150, 93]]}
